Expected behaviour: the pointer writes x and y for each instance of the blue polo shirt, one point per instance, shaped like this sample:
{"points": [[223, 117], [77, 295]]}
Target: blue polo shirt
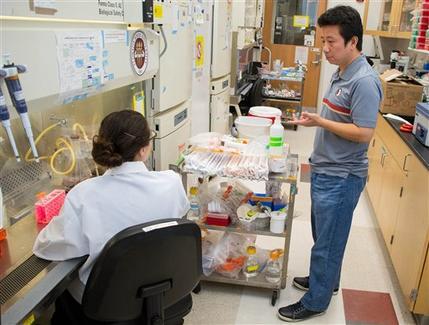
{"points": [[353, 97]]}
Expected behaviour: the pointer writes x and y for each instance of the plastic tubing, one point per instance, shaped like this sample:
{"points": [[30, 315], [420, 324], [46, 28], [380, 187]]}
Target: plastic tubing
{"points": [[27, 155], [59, 142], [56, 153]]}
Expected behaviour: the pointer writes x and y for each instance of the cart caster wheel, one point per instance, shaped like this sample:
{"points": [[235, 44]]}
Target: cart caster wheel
{"points": [[197, 289], [274, 297]]}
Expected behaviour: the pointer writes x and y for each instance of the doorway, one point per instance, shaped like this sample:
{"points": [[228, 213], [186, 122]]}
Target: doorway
{"points": [[291, 32]]}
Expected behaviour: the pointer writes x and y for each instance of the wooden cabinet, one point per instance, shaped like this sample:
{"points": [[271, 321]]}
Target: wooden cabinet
{"points": [[375, 171], [388, 18], [410, 239], [398, 189], [390, 192], [422, 303]]}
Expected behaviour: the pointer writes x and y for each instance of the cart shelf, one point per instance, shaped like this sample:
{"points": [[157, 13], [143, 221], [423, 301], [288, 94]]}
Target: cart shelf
{"points": [[283, 100], [265, 232], [259, 280]]}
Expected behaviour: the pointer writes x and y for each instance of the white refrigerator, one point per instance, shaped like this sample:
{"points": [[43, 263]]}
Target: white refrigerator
{"points": [[202, 47], [170, 99], [220, 68]]}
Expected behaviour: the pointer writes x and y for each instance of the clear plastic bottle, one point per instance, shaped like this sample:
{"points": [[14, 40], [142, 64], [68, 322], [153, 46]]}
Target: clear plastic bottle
{"points": [[276, 138], [273, 268], [194, 212], [251, 268]]}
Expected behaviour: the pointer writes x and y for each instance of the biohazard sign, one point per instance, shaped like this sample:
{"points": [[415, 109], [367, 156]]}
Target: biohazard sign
{"points": [[199, 51]]}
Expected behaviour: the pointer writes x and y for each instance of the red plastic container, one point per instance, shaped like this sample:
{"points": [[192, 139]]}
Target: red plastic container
{"points": [[421, 33], [424, 20], [420, 46], [49, 206], [218, 219], [423, 26]]}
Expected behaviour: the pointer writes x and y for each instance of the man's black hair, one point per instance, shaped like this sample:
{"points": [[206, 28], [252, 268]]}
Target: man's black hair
{"points": [[347, 19]]}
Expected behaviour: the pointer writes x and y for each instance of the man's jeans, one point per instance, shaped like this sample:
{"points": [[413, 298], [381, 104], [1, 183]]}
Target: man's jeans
{"points": [[333, 200]]}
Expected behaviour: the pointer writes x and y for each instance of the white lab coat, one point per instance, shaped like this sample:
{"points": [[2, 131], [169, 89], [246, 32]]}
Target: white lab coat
{"points": [[98, 208]]}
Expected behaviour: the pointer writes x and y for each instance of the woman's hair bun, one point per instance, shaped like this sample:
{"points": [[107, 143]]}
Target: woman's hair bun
{"points": [[104, 154]]}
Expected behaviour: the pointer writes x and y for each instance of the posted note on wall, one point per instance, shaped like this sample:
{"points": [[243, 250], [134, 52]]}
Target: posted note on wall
{"points": [[301, 21], [114, 36], [301, 54], [80, 59]]}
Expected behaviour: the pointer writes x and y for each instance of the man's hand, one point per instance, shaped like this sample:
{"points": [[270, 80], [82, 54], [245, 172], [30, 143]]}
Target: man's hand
{"points": [[347, 131], [307, 119]]}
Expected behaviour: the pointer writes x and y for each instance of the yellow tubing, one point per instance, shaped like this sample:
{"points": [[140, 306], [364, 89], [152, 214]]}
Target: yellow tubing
{"points": [[59, 142], [56, 153], [81, 129], [27, 155]]}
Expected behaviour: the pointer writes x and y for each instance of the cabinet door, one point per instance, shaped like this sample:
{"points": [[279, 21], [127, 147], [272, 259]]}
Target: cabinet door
{"points": [[388, 18], [375, 171], [392, 181], [422, 302], [405, 15], [372, 15], [387, 12], [409, 245]]}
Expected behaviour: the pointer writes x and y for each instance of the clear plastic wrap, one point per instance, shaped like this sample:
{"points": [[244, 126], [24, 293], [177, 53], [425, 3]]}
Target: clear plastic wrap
{"points": [[230, 253], [248, 162]]}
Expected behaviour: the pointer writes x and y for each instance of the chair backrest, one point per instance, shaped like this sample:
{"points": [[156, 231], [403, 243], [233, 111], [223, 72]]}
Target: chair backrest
{"points": [[138, 257]]}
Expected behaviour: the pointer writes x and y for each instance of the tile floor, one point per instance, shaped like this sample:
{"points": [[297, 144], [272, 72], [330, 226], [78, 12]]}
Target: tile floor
{"points": [[367, 274]]}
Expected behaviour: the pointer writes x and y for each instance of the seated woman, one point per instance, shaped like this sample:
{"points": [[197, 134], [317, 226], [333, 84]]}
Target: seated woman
{"points": [[127, 194]]}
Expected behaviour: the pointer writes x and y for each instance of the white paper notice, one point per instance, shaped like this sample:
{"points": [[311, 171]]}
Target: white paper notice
{"points": [[301, 54], [80, 60], [114, 36], [48, 4], [309, 40]]}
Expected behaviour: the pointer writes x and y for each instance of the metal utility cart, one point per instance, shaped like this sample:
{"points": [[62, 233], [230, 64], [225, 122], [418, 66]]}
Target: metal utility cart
{"points": [[259, 281], [280, 83]]}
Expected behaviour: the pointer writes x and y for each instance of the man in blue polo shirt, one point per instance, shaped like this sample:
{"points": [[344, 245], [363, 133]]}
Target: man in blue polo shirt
{"points": [[339, 163]]}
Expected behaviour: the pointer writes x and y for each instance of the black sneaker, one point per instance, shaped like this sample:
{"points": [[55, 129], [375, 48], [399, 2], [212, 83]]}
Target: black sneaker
{"points": [[302, 283], [297, 312]]}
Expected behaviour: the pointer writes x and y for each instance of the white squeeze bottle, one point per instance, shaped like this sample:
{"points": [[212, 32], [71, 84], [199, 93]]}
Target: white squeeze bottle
{"points": [[276, 138]]}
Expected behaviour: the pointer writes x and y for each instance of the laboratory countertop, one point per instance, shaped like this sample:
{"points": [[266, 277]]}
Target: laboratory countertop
{"points": [[419, 149], [28, 284]]}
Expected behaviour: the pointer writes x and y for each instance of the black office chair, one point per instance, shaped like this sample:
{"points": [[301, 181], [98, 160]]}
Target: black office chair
{"points": [[144, 275]]}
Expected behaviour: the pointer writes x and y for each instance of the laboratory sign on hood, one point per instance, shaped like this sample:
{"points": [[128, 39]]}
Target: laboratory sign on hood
{"points": [[139, 52]]}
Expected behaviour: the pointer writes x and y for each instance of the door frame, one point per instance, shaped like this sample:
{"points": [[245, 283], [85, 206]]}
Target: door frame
{"points": [[287, 52]]}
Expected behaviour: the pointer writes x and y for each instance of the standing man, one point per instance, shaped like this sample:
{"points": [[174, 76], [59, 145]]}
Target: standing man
{"points": [[339, 163]]}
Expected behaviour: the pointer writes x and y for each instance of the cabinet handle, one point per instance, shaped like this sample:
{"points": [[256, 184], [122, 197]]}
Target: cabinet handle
{"points": [[383, 156], [405, 162]]}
